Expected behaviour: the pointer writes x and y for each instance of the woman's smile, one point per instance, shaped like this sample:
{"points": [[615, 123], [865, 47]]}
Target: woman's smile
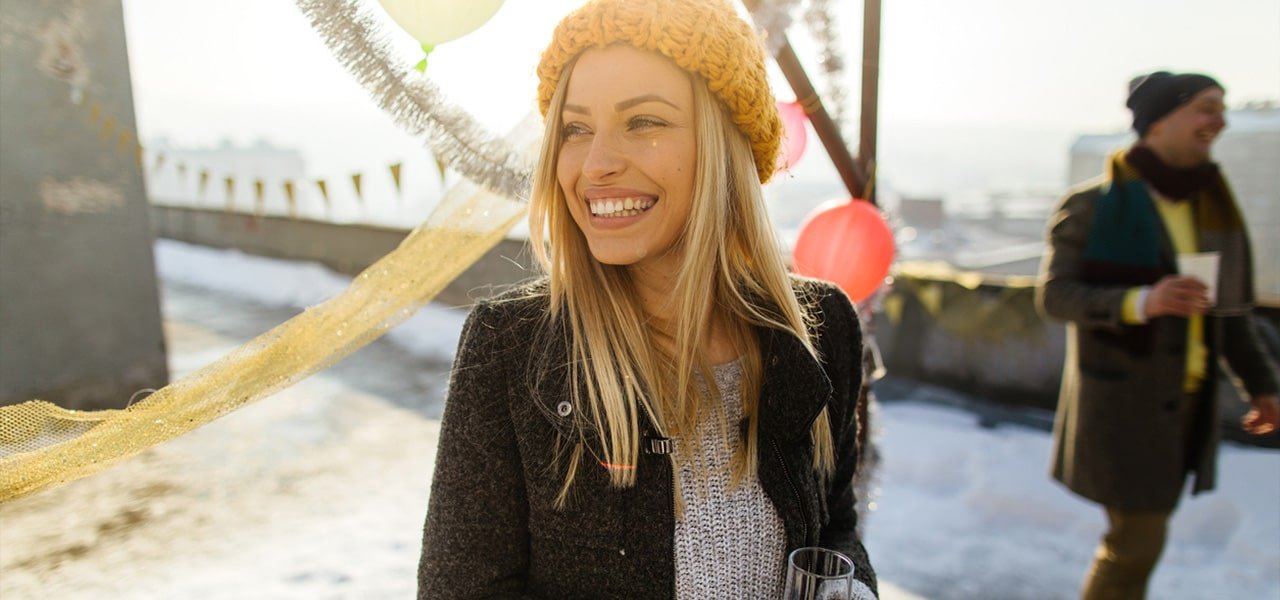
{"points": [[620, 207], [614, 209]]}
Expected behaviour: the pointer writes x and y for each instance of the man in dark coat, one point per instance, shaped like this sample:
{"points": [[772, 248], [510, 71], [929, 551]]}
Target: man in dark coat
{"points": [[1137, 412]]}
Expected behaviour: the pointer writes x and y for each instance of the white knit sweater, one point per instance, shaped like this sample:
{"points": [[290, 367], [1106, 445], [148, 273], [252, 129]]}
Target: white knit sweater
{"points": [[730, 543]]}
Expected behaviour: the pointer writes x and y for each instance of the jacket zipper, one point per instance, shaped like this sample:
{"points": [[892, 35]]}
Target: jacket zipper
{"points": [[671, 488], [804, 516], [671, 493]]}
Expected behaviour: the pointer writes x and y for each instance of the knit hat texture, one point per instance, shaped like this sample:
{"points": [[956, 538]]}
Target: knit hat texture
{"points": [[1153, 96], [705, 37]]}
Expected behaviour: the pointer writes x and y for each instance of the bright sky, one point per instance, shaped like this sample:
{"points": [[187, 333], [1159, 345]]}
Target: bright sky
{"points": [[993, 80]]}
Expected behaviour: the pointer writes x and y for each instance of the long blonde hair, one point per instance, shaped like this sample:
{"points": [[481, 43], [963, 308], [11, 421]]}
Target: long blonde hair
{"points": [[615, 353]]}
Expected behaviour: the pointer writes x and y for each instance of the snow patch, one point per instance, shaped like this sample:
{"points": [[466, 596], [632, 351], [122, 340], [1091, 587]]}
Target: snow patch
{"points": [[432, 332]]}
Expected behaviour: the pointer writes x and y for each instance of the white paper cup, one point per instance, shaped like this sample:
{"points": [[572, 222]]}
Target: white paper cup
{"points": [[1202, 266]]}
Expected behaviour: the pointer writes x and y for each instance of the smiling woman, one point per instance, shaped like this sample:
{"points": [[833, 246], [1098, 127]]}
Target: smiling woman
{"points": [[666, 413]]}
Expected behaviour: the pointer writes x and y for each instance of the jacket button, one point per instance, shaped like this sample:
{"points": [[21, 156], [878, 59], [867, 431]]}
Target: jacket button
{"points": [[564, 408], [773, 361]]}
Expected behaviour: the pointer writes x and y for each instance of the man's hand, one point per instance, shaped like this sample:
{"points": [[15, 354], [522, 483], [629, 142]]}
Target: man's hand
{"points": [[1178, 296], [1264, 417]]}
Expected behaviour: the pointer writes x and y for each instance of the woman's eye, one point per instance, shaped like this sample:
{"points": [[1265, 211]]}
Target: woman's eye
{"points": [[572, 130], [646, 122]]}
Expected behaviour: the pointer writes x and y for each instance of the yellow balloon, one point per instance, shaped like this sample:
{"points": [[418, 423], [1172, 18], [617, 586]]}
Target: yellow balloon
{"points": [[435, 22]]}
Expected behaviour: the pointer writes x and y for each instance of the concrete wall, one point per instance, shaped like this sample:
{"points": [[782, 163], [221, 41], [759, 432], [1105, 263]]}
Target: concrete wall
{"points": [[344, 248], [79, 309], [985, 341]]}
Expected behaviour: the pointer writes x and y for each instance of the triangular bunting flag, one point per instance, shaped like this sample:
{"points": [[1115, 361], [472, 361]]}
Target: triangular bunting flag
{"points": [[291, 199], [204, 182], [259, 203], [355, 181], [395, 175], [324, 192], [441, 167], [159, 161], [95, 112], [231, 193]]}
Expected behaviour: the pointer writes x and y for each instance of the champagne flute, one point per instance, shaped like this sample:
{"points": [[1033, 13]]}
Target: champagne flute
{"points": [[818, 574]]}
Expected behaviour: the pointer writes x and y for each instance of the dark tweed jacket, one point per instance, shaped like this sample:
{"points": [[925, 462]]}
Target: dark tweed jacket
{"points": [[491, 527], [1118, 438]]}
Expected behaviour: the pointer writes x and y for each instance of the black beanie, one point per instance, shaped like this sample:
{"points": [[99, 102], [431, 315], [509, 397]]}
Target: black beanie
{"points": [[1158, 94]]}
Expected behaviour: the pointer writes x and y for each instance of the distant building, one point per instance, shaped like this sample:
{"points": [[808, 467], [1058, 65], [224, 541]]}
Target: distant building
{"points": [[922, 213], [1249, 152]]}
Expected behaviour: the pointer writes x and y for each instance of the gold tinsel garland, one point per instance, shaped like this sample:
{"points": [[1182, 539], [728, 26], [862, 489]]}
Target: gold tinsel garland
{"points": [[43, 445]]}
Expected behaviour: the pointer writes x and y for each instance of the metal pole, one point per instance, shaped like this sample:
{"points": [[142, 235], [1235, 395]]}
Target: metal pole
{"points": [[854, 178], [870, 93]]}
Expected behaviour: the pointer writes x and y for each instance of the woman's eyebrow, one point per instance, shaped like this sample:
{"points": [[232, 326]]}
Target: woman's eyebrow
{"points": [[625, 104]]}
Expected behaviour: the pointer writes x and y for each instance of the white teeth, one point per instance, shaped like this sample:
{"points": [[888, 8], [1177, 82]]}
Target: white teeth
{"points": [[621, 207]]}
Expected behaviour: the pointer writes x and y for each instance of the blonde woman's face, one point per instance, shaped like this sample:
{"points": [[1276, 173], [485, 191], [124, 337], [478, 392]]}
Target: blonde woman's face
{"points": [[628, 153]]}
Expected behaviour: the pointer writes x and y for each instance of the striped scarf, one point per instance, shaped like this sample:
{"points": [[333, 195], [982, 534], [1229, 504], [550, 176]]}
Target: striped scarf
{"points": [[1127, 244]]}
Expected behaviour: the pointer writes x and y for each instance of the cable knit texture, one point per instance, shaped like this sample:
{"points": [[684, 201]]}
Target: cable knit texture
{"points": [[706, 37], [730, 543]]}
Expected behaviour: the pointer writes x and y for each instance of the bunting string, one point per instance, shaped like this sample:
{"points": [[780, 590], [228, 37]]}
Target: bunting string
{"points": [[155, 163]]}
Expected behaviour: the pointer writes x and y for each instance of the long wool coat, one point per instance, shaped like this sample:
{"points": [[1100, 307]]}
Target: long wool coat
{"points": [[1119, 438], [492, 529]]}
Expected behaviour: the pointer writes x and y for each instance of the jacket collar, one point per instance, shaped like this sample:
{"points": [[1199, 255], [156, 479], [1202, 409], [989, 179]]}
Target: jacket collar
{"points": [[795, 387]]}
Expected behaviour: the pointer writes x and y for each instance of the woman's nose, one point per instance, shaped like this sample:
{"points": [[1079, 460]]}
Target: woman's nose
{"points": [[604, 158]]}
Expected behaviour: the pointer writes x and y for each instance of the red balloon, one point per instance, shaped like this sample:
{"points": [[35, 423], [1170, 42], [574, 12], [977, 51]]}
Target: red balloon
{"points": [[794, 135], [847, 243]]}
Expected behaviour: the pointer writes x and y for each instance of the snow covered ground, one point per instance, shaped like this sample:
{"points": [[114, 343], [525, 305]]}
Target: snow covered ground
{"points": [[320, 490]]}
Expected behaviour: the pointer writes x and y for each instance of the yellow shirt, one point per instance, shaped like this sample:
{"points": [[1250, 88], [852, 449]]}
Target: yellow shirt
{"points": [[1179, 221]]}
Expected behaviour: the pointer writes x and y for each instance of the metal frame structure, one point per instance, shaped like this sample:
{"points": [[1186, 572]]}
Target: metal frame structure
{"points": [[857, 174]]}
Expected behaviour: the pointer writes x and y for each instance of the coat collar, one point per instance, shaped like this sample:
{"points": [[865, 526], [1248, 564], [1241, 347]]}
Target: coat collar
{"points": [[795, 387]]}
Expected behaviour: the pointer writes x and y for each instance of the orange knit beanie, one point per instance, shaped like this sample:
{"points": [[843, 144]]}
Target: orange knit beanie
{"points": [[701, 36]]}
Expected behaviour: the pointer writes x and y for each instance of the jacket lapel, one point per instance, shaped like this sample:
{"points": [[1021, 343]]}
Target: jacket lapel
{"points": [[795, 388], [794, 391]]}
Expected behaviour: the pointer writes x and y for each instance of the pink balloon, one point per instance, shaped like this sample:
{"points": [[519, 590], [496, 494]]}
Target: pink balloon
{"points": [[847, 243], [794, 135]]}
